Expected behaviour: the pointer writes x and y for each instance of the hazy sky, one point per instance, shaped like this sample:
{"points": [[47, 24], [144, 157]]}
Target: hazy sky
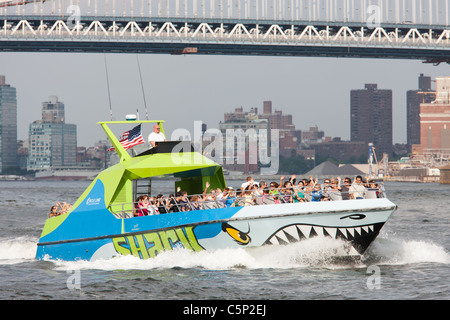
{"points": [[182, 89]]}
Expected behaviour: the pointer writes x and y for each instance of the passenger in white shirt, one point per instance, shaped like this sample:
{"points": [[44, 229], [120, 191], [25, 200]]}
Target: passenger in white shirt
{"points": [[156, 136], [357, 189]]}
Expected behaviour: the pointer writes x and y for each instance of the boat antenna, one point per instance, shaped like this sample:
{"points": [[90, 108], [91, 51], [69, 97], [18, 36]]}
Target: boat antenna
{"points": [[109, 92], [142, 87]]}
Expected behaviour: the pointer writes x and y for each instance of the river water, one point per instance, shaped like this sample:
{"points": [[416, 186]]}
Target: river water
{"points": [[409, 260]]}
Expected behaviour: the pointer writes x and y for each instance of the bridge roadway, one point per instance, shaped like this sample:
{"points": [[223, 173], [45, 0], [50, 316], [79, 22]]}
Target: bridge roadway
{"points": [[224, 37]]}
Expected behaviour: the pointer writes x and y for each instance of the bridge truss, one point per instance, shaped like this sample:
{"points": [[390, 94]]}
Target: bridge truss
{"points": [[224, 36]]}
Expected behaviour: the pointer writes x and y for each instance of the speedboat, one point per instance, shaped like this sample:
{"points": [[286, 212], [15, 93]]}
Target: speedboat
{"points": [[102, 224]]}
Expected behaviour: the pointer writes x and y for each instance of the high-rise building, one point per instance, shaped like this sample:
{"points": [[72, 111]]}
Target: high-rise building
{"points": [[413, 100], [53, 110], [52, 142], [435, 122], [8, 125], [371, 118]]}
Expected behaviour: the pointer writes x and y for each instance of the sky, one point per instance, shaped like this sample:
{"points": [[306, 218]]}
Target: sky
{"points": [[184, 89]]}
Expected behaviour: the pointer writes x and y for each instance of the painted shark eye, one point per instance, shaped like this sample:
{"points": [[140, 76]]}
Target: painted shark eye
{"points": [[237, 235]]}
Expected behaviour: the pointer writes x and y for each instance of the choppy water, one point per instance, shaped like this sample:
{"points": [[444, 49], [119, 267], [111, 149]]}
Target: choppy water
{"points": [[409, 260]]}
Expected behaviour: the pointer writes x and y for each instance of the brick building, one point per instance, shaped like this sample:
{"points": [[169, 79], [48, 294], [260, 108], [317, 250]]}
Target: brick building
{"points": [[435, 122], [414, 98]]}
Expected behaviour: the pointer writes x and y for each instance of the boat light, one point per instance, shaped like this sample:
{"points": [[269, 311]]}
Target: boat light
{"points": [[130, 117]]}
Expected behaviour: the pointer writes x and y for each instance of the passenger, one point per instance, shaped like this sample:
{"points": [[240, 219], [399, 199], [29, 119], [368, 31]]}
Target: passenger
{"points": [[248, 197], [195, 203], [143, 206], [326, 188], [274, 188], [262, 185], [309, 188], [136, 208], [254, 191], [334, 193], [345, 188], [299, 193], [357, 189], [230, 198], [152, 206], [173, 204], [249, 182], [210, 200], [183, 203], [316, 194], [53, 212], [286, 195], [258, 190], [372, 191], [162, 204], [219, 194], [239, 198], [267, 198]]}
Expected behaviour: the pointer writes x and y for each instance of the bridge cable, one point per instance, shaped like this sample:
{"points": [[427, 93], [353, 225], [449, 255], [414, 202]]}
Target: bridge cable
{"points": [[107, 82], [142, 87]]}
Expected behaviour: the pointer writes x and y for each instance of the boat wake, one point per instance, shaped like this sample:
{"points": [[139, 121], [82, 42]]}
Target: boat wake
{"points": [[315, 252], [17, 250], [402, 252]]}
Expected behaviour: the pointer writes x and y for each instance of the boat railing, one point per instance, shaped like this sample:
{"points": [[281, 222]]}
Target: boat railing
{"points": [[210, 201]]}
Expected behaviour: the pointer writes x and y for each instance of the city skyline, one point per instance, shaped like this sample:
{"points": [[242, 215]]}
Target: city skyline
{"points": [[205, 87]]}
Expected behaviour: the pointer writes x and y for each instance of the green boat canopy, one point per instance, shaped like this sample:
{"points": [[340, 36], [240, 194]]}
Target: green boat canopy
{"points": [[191, 169]]}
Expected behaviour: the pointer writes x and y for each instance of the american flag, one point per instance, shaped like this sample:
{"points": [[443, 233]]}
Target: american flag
{"points": [[131, 138]]}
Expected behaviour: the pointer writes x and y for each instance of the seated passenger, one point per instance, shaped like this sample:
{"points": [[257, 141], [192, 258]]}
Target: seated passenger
{"points": [[53, 212], [298, 193], [152, 206], [230, 198], [316, 194], [345, 188], [334, 193], [183, 204], [173, 202], [249, 182], [326, 189], [248, 197], [136, 207], [143, 206], [357, 189], [195, 204], [274, 188], [162, 204], [373, 191]]}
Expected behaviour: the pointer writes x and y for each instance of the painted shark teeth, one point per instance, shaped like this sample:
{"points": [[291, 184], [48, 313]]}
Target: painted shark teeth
{"points": [[295, 233]]}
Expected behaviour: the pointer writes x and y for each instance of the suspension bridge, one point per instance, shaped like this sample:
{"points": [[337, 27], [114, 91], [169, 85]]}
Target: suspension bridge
{"points": [[393, 29]]}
